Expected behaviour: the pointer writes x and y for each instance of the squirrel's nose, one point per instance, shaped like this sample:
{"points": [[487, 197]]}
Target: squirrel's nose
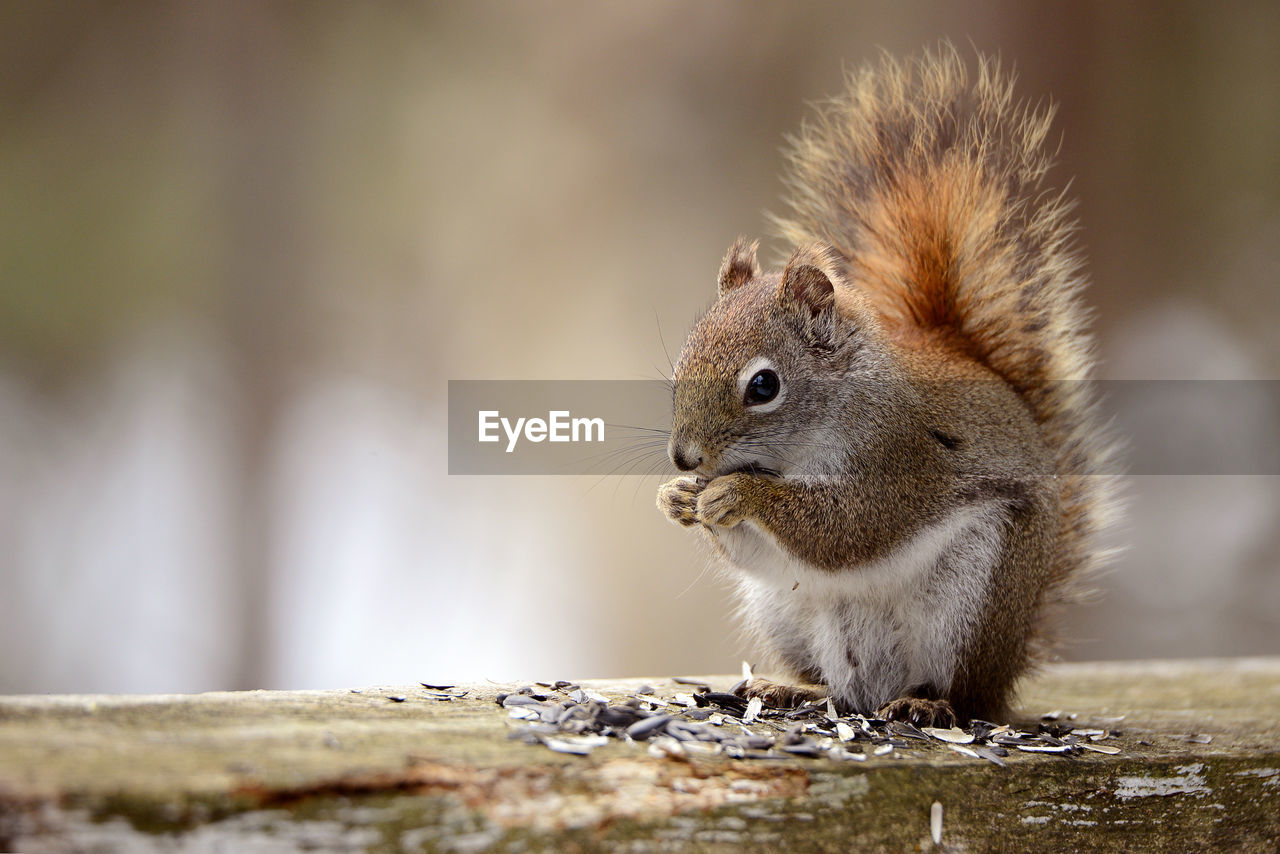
{"points": [[686, 459]]}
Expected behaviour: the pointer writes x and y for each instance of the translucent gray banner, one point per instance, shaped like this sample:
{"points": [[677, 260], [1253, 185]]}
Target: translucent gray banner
{"points": [[620, 427]]}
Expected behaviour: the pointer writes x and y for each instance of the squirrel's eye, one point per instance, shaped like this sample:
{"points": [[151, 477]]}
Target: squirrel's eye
{"points": [[762, 388]]}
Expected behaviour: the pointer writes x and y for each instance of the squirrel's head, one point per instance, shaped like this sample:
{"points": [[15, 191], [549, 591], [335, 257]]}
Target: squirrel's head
{"points": [[764, 373]]}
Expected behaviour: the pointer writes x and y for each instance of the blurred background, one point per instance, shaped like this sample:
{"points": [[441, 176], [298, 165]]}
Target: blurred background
{"points": [[245, 245]]}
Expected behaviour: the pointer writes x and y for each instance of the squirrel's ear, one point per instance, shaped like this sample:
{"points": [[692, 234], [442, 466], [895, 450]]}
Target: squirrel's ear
{"points": [[808, 281], [739, 265]]}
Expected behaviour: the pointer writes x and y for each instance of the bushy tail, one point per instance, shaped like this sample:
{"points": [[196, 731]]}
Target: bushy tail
{"points": [[930, 185]]}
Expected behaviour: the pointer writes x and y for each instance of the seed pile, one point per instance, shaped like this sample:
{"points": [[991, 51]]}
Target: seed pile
{"points": [[569, 719]]}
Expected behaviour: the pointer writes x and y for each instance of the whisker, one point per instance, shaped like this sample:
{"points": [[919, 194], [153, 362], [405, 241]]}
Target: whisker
{"points": [[706, 567], [640, 429], [658, 321]]}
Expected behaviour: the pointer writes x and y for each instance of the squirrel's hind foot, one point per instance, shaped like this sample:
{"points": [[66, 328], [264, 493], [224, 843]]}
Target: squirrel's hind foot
{"points": [[781, 696], [914, 710]]}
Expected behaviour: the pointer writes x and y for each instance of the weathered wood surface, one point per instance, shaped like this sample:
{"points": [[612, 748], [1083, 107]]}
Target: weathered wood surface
{"points": [[347, 771]]}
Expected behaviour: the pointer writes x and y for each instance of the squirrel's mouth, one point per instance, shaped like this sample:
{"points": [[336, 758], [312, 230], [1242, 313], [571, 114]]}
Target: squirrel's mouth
{"points": [[754, 469]]}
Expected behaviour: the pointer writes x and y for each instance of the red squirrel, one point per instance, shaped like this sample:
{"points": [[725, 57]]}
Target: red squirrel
{"points": [[889, 442]]}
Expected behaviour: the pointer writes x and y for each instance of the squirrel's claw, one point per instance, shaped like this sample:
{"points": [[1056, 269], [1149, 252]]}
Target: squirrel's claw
{"points": [[781, 696], [921, 712], [720, 504], [678, 500]]}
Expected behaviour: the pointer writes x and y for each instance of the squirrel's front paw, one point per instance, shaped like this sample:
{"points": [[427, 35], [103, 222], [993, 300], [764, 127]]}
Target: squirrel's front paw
{"points": [[721, 504], [678, 500]]}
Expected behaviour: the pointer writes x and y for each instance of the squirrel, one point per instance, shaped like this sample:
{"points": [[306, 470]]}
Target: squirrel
{"points": [[889, 442]]}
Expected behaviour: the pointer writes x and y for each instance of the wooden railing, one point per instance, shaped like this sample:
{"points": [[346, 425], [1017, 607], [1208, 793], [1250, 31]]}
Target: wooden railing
{"points": [[1191, 762]]}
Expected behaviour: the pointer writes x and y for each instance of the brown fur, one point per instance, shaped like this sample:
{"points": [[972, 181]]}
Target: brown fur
{"points": [[739, 265]]}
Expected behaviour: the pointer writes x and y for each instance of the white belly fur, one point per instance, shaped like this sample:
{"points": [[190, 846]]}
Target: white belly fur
{"points": [[877, 630]]}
